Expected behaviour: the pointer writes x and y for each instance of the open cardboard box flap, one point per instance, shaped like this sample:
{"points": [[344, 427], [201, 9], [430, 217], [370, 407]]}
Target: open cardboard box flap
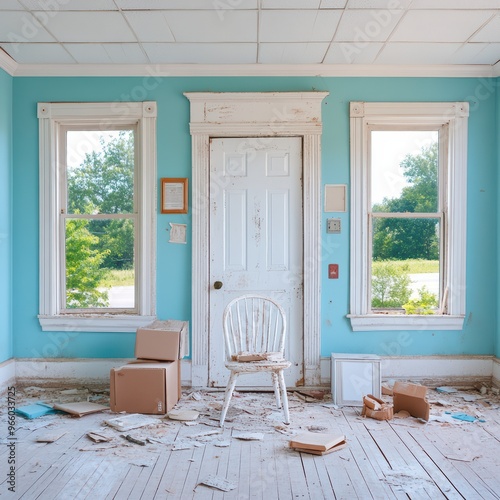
{"points": [[411, 397]]}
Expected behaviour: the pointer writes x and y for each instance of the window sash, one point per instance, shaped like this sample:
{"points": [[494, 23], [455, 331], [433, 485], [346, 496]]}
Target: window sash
{"points": [[53, 116], [451, 120]]}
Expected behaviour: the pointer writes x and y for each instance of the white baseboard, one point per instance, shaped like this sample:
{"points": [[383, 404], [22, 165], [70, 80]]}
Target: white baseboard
{"points": [[7, 374], [431, 370], [89, 371], [428, 370]]}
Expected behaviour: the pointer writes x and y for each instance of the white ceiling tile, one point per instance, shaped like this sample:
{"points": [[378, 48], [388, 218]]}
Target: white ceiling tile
{"points": [[439, 25], [20, 26], [489, 55], [417, 53], [110, 53], [350, 53], [150, 26], [333, 4], [207, 26], [379, 4], [38, 53], [201, 53], [186, 4], [10, 5], [292, 53], [290, 4], [366, 25], [59, 5], [455, 4], [490, 32], [298, 26], [90, 27]]}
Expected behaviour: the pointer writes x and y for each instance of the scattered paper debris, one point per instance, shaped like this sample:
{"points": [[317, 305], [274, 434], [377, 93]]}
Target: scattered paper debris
{"points": [[50, 438], [132, 421], [446, 390], [249, 436], [222, 444], [218, 482], [196, 396], [134, 440], [317, 428], [184, 415], [205, 434], [98, 438]]}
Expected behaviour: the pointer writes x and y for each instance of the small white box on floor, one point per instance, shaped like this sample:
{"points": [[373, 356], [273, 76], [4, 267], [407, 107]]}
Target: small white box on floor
{"points": [[354, 376]]}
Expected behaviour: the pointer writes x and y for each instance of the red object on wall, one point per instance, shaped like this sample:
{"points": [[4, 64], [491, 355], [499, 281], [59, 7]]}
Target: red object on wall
{"points": [[333, 271]]}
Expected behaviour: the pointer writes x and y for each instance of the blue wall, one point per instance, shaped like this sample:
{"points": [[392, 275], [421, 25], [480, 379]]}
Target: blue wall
{"points": [[174, 160], [497, 347], [5, 216]]}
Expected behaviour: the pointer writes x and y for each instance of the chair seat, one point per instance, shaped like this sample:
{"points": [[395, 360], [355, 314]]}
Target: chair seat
{"points": [[257, 366]]}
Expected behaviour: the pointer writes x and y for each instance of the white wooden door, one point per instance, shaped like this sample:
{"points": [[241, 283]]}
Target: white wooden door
{"points": [[256, 240]]}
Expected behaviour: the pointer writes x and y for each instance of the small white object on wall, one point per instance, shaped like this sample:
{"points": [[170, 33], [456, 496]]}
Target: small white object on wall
{"points": [[177, 233]]}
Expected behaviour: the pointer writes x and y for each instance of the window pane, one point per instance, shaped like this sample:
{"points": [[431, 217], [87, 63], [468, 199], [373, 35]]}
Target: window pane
{"points": [[100, 271], [100, 171], [404, 171], [405, 268]]}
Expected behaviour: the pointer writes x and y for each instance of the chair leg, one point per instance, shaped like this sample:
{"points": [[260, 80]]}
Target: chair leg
{"points": [[284, 396], [276, 389], [229, 393]]}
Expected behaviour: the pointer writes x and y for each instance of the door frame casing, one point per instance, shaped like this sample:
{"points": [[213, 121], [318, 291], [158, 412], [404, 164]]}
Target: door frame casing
{"points": [[259, 115]]}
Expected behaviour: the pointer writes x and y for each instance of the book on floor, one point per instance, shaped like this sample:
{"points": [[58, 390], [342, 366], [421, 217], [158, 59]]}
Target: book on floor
{"points": [[317, 441]]}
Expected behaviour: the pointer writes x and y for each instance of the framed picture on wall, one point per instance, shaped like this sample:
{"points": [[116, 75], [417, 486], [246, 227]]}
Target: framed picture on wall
{"points": [[174, 195]]}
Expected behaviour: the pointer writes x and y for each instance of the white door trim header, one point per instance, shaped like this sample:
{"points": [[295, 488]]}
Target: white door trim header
{"points": [[259, 115]]}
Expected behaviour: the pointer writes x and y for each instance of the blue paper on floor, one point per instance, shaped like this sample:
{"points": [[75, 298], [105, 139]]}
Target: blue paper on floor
{"points": [[35, 410]]}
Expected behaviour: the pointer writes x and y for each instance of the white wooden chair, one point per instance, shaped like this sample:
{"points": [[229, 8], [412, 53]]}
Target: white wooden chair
{"points": [[255, 326]]}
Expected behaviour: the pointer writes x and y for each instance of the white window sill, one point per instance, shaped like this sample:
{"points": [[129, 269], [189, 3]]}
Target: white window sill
{"points": [[104, 323], [378, 322]]}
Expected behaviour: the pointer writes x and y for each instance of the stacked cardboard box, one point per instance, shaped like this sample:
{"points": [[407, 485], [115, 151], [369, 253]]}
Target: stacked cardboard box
{"points": [[152, 383]]}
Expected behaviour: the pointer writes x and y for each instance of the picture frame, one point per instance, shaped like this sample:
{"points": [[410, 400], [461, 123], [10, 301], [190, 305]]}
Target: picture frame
{"points": [[174, 195]]}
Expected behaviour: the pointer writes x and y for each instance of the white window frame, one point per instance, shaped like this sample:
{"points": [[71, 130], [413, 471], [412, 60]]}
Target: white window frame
{"points": [[52, 117], [454, 117]]}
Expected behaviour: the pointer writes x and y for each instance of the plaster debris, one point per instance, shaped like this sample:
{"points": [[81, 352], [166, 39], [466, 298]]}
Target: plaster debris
{"points": [[130, 421], [218, 482], [249, 436]]}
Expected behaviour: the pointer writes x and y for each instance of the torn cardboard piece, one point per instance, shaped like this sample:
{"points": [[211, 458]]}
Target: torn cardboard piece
{"points": [[412, 398], [257, 356], [376, 408], [80, 409]]}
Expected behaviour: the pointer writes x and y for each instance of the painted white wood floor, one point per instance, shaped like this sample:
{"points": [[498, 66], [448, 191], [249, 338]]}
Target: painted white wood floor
{"points": [[403, 458]]}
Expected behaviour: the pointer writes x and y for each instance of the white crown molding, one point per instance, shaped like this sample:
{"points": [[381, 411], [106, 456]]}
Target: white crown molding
{"points": [[323, 70], [496, 69], [7, 63]]}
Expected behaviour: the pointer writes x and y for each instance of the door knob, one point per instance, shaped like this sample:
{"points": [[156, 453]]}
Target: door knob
{"points": [[218, 285]]}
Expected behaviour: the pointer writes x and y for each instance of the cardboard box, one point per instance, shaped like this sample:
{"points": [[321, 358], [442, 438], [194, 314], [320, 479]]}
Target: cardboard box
{"points": [[150, 388], [162, 341], [411, 397]]}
